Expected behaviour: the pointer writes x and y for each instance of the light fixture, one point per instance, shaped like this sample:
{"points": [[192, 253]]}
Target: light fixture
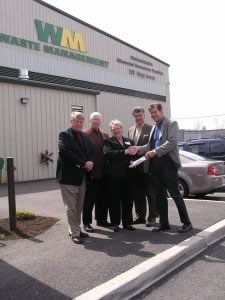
{"points": [[24, 100]]}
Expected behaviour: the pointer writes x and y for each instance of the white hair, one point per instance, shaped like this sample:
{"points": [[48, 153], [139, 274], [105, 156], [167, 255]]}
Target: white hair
{"points": [[95, 114]]}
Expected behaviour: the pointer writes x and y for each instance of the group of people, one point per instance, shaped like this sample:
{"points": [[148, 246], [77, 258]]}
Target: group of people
{"points": [[93, 170]]}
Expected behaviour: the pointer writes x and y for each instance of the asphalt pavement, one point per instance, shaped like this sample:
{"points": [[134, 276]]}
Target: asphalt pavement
{"points": [[50, 266], [201, 278]]}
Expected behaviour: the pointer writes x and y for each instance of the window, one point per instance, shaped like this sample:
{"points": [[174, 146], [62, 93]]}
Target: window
{"points": [[199, 149], [217, 148], [180, 147], [77, 108]]}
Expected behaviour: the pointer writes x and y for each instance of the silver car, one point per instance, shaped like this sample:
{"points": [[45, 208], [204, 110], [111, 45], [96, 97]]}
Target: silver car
{"points": [[200, 176]]}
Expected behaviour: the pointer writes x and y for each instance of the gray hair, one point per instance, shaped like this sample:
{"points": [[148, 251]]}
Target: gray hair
{"points": [[95, 114], [138, 109]]}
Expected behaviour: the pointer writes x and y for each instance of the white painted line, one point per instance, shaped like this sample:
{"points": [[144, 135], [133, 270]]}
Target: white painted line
{"points": [[137, 279]]}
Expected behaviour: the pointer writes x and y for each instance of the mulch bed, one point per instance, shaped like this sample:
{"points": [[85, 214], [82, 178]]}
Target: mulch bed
{"points": [[26, 228]]}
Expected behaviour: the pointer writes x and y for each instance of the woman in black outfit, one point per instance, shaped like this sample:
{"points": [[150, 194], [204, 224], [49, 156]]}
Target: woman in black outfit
{"points": [[119, 177]]}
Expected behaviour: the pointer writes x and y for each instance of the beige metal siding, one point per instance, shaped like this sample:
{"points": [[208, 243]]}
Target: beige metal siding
{"points": [[28, 129]]}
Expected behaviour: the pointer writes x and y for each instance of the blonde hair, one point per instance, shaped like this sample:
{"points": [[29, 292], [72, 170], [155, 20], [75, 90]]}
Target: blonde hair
{"points": [[76, 115], [115, 122]]}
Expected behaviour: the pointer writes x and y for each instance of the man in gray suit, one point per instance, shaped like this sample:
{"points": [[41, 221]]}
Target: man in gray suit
{"points": [[139, 133], [164, 163]]}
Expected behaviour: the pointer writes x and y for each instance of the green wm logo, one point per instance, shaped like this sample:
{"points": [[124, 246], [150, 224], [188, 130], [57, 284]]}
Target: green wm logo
{"points": [[59, 36]]}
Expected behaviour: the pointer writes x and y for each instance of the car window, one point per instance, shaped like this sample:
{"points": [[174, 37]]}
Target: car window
{"points": [[216, 148], [197, 148], [181, 147]]}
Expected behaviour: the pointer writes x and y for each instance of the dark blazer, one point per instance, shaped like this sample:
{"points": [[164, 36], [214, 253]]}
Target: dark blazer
{"points": [[116, 161], [71, 159], [98, 160], [143, 140]]}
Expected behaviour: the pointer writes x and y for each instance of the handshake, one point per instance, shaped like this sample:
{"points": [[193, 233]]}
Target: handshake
{"points": [[132, 150]]}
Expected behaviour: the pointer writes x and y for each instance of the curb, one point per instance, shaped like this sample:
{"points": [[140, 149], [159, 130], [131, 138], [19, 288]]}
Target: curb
{"points": [[142, 276]]}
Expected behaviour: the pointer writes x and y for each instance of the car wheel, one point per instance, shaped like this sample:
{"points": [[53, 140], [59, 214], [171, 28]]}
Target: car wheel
{"points": [[184, 189]]}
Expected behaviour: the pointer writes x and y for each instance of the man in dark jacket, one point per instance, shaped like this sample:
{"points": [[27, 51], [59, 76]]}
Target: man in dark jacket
{"points": [[143, 188], [74, 162]]}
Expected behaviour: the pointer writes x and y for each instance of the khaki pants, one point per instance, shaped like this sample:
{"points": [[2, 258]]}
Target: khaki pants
{"points": [[73, 198]]}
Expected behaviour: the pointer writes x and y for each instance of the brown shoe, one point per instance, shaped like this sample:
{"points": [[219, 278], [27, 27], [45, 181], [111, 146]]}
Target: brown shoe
{"points": [[77, 240]]}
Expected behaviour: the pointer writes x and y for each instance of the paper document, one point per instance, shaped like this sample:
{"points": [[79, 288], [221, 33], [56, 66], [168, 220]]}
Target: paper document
{"points": [[137, 162]]}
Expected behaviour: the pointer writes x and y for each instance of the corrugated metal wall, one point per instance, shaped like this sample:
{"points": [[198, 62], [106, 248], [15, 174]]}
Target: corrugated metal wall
{"points": [[114, 106], [28, 129]]}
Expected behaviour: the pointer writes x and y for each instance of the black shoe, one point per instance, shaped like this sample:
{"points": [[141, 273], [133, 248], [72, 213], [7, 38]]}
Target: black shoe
{"points": [[185, 228], [77, 240], [161, 228], [138, 220], [103, 223], [129, 227], [88, 228], [84, 234], [116, 228], [151, 222]]}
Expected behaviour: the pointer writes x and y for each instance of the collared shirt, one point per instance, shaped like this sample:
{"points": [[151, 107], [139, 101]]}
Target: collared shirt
{"points": [[156, 139], [137, 133], [78, 137]]}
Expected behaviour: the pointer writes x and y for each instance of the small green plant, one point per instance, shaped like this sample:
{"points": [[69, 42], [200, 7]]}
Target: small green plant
{"points": [[22, 214]]}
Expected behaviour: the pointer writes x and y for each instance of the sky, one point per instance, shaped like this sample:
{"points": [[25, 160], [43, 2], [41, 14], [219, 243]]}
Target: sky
{"points": [[187, 34]]}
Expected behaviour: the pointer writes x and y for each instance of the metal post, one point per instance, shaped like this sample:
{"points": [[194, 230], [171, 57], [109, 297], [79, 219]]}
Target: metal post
{"points": [[11, 193]]}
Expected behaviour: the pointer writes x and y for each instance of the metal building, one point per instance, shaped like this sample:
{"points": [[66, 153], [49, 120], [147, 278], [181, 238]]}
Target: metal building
{"points": [[52, 63]]}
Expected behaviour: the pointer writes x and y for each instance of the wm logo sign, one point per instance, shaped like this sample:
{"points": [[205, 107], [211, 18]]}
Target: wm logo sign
{"points": [[59, 36]]}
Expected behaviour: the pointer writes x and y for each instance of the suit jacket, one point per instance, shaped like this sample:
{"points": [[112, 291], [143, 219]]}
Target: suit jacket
{"points": [[98, 159], [71, 159], [116, 161], [143, 140], [169, 136]]}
